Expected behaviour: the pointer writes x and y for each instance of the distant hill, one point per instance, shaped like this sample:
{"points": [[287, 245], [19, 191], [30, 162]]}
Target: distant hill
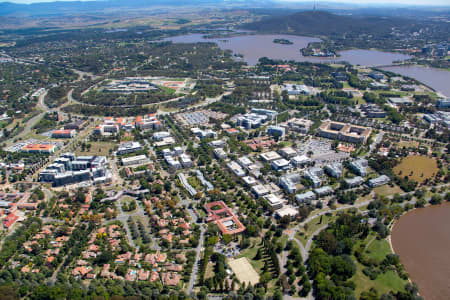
{"points": [[74, 7], [326, 24]]}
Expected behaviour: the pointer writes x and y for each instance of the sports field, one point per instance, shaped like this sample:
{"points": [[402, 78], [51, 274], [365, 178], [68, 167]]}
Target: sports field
{"points": [[417, 167], [244, 270]]}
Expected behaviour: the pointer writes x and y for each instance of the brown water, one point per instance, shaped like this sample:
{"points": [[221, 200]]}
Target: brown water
{"points": [[435, 78], [422, 239], [253, 47]]}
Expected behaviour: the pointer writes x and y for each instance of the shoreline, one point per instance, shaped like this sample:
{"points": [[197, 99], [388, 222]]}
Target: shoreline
{"points": [[389, 237]]}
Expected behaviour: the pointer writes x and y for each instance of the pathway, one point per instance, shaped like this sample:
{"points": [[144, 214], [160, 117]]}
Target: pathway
{"points": [[197, 259]]}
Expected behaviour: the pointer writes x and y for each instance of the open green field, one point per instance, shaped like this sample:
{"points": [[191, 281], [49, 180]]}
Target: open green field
{"points": [[250, 253], [384, 283], [378, 249], [408, 144], [97, 148], [417, 167], [387, 190], [389, 281]]}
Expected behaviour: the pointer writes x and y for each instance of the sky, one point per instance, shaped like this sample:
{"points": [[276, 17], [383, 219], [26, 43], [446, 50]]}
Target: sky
{"points": [[405, 2]]}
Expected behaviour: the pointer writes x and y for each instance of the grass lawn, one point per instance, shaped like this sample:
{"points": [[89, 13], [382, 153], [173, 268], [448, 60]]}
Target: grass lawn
{"points": [[209, 270], [283, 239], [313, 226], [250, 253], [97, 148], [408, 144], [196, 184], [167, 90], [389, 281], [387, 190], [417, 167], [378, 249], [127, 200], [384, 283]]}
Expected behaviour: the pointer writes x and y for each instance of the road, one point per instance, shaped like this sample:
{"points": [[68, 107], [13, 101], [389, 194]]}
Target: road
{"points": [[205, 103], [31, 122], [123, 217], [197, 260]]}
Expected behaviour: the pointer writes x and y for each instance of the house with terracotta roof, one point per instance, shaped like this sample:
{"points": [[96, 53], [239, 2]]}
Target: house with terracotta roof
{"points": [[143, 274], [174, 268], [49, 261], [170, 278], [10, 220], [131, 275]]}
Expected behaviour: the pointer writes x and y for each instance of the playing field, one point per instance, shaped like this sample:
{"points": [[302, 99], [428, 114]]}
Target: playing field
{"points": [[244, 270], [417, 168]]}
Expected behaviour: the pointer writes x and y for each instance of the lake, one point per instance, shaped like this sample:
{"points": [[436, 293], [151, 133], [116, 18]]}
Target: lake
{"points": [[253, 47], [422, 239], [435, 78]]}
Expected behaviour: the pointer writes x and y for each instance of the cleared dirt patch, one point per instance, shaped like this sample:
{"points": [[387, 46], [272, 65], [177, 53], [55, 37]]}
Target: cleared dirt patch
{"points": [[244, 270]]}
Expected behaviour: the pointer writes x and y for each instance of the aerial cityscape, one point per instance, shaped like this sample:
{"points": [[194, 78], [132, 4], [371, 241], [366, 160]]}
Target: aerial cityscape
{"points": [[224, 149]]}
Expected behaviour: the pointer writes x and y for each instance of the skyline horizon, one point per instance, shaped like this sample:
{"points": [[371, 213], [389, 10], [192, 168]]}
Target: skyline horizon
{"points": [[359, 3]]}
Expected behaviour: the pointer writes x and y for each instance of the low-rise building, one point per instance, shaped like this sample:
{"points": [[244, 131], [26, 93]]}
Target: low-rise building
{"points": [[299, 125], [269, 156], [289, 182], [296, 89], [344, 132], [244, 161], [249, 180], [305, 197], [281, 164], [273, 201], [323, 191], [443, 103], [288, 152], [260, 190], [200, 133], [314, 175], [276, 131], [39, 148], [172, 162], [135, 160], [217, 144], [354, 182], [376, 75], [63, 134], [186, 160], [128, 147], [300, 161], [379, 181], [334, 170], [219, 153], [160, 135], [236, 169], [286, 211], [400, 101], [359, 166]]}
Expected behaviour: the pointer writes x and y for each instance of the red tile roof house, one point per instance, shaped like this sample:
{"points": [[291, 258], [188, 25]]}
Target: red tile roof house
{"points": [[180, 257], [174, 268], [81, 271], [154, 276], [171, 278], [131, 275], [49, 261], [93, 248], [143, 275], [10, 220]]}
